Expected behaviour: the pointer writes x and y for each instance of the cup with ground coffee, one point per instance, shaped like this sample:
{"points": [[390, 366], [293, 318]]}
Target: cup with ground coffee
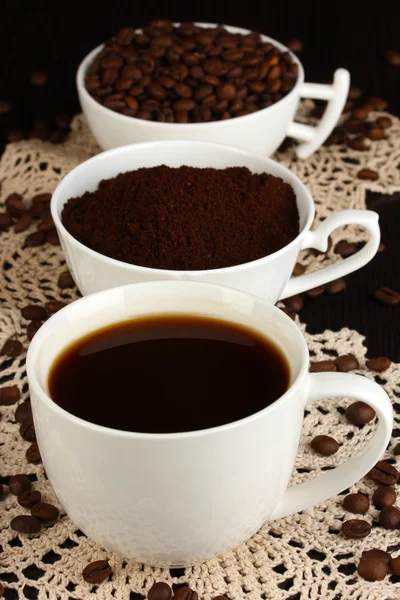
{"points": [[195, 211], [198, 81], [168, 416]]}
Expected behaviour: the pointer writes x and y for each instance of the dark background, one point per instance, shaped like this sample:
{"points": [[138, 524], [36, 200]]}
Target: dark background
{"points": [[55, 36]]}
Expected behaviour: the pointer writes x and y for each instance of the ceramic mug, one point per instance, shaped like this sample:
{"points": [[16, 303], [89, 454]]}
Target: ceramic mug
{"points": [[268, 277], [177, 499], [262, 131]]}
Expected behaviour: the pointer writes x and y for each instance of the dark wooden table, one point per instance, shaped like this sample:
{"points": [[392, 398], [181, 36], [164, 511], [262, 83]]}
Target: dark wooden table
{"points": [[54, 36]]}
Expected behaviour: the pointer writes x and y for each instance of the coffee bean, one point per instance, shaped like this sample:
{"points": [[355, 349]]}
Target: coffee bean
{"points": [[287, 312], [9, 395], [5, 107], [15, 205], [393, 57], [359, 413], [5, 221], [299, 269], [29, 498], [65, 281], [34, 312], [394, 565], [1, 589], [389, 517], [43, 198], [345, 248], [97, 571], [33, 454], [53, 238], [159, 591], [384, 496], [37, 210], [12, 348], [372, 568], [325, 445], [220, 598], [35, 239], [362, 112], [46, 224], [381, 247], [384, 473], [32, 328], [368, 175], [396, 450], [15, 135], [377, 103], [2, 490], [355, 529], [54, 306], [45, 512], [336, 286], [38, 78], [384, 122], [379, 364], [375, 134], [354, 93], [346, 363], [294, 303], [376, 554], [315, 292], [19, 484], [23, 412], [322, 366], [356, 503], [358, 143], [27, 431], [26, 524], [387, 296], [295, 45], [185, 593], [23, 223]]}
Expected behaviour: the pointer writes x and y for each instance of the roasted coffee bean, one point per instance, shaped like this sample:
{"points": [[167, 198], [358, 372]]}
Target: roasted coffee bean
{"points": [[97, 571], [65, 281], [384, 496], [287, 312], [33, 454], [38, 78], [5, 107], [368, 175], [387, 296], [29, 498], [362, 112], [19, 484], [23, 412], [185, 593], [12, 348], [381, 247], [5, 221], [384, 122], [359, 413], [23, 223], [317, 291], [15, 135], [26, 524], [37, 210], [322, 366], [380, 364], [372, 568], [325, 445], [34, 312], [1, 590], [47, 513], [354, 93], [346, 363], [345, 248], [15, 205], [393, 57], [9, 395], [377, 103], [356, 503], [295, 45], [46, 224], [394, 565], [375, 133], [54, 306], [35, 239], [27, 431], [396, 450], [220, 598], [336, 286], [294, 303], [389, 517], [160, 591], [2, 490], [358, 143], [355, 529], [377, 554], [52, 238], [384, 473], [299, 269], [32, 328]]}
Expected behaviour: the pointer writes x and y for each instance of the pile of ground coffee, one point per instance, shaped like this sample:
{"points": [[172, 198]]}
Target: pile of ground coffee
{"points": [[185, 218]]}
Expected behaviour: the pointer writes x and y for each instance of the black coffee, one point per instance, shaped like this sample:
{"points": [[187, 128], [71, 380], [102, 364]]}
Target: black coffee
{"points": [[166, 374]]}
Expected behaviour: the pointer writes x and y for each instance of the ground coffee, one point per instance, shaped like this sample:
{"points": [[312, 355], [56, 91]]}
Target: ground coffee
{"points": [[185, 218]]}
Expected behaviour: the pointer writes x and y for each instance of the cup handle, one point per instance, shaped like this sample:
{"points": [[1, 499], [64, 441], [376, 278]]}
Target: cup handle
{"points": [[336, 94], [319, 239], [321, 385]]}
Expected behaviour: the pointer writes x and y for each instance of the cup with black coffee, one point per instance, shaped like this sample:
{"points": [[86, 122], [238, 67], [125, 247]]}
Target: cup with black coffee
{"points": [[168, 416], [195, 211]]}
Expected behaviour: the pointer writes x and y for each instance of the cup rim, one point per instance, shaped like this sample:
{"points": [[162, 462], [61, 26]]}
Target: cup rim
{"points": [[124, 119], [55, 202], [41, 334]]}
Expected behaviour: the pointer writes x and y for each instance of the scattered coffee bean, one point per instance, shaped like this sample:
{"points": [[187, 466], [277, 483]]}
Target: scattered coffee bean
{"points": [[322, 366], [34, 312], [1, 490], [35, 239], [362, 112], [317, 291], [65, 281], [12, 348], [377, 103], [375, 134], [33, 454], [26, 524], [345, 248], [5, 107], [160, 591], [23, 223], [53, 238], [377, 554], [45, 512], [9, 395], [15, 205], [394, 565], [393, 57], [287, 312], [1, 589], [294, 303], [325, 445], [32, 328], [380, 364], [29, 498], [384, 473], [355, 529], [358, 143], [220, 598], [23, 412], [38, 78], [336, 286], [43, 198], [384, 496], [5, 221], [346, 363], [354, 93], [15, 135], [356, 503], [295, 45], [46, 225], [27, 431], [299, 269], [368, 175], [381, 247], [19, 484], [54, 306], [396, 450], [185, 593], [372, 568], [359, 413], [384, 122], [389, 517], [97, 571], [387, 296]]}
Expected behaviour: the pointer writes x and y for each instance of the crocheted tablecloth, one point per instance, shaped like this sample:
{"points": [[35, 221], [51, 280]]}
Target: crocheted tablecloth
{"points": [[300, 557]]}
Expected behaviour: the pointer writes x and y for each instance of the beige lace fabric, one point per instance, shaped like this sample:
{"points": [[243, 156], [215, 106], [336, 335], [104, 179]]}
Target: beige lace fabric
{"points": [[297, 558]]}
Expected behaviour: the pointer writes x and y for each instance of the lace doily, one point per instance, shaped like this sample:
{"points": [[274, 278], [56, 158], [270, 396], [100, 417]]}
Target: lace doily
{"points": [[297, 558]]}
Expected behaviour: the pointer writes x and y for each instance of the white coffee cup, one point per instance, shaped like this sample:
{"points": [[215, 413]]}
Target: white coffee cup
{"points": [[261, 131], [177, 499], [268, 277]]}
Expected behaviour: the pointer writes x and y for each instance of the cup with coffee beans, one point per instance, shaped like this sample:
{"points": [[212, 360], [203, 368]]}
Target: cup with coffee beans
{"points": [[195, 211], [198, 81], [168, 416]]}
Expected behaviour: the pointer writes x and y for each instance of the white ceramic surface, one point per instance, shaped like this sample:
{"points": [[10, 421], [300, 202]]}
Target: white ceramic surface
{"points": [[177, 499], [267, 277], [262, 131]]}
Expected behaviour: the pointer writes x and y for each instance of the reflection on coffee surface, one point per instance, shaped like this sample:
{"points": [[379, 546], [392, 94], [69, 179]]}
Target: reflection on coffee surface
{"points": [[168, 373]]}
